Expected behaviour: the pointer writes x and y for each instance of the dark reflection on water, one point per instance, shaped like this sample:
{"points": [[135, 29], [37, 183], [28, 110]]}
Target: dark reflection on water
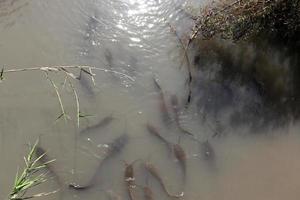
{"points": [[246, 83]]}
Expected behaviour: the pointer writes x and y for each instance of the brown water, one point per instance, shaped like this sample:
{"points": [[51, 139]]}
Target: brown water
{"points": [[131, 38]]}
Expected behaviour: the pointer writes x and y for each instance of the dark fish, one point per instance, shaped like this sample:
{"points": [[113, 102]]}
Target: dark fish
{"points": [[117, 145], [148, 194], [189, 95], [85, 79], [108, 57], [207, 151], [130, 181], [162, 104], [153, 131], [173, 148], [92, 25], [175, 105], [154, 172], [103, 122], [113, 148], [181, 157], [39, 151]]}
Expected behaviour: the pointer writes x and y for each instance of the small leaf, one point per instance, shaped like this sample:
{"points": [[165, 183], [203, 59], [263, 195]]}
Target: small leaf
{"points": [[60, 116], [16, 178]]}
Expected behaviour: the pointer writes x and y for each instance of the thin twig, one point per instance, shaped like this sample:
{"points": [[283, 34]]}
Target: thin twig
{"points": [[173, 30], [78, 124], [92, 77], [65, 81], [77, 103], [60, 68], [63, 114]]}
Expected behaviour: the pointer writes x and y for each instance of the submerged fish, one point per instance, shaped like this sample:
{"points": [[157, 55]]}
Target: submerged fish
{"points": [[154, 172], [175, 108], [86, 81], [113, 148], [162, 104], [108, 57], [154, 131], [39, 151], [181, 157], [130, 181], [172, 148], [116, 146], [85, 78], [91, 28], [101, 124]]}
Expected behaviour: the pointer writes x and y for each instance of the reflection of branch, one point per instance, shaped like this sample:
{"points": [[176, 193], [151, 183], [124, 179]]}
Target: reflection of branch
{"points": [[173, 30], [62, 68], [185, 55]]}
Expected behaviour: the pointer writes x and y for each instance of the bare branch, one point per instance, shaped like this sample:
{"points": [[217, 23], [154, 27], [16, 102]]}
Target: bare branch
{"points": [[63, 68]]}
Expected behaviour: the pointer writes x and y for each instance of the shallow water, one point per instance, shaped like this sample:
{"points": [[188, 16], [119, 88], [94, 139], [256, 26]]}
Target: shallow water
{"points": [[131, 44]]}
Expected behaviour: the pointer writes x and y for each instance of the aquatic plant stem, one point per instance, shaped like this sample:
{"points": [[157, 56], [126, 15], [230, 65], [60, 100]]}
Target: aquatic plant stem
{"points": [[74, 171], [63, 114], [92, 77], [62, 67], [78, 124], [77, 103]]}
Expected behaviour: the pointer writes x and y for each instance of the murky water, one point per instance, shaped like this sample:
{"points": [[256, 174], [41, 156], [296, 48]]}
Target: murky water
{"points": [[131, 44]]}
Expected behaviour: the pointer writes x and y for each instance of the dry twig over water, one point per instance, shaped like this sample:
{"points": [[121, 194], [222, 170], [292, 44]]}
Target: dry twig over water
{"points": [[63, 68], [69, 75]]}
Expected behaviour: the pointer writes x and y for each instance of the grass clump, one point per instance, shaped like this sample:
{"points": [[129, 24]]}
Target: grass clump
{"points": [[240, 19], [30, 177]]}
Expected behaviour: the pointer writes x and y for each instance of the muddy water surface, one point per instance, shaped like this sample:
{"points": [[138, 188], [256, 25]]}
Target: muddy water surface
{"points": [[131, 43]]}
